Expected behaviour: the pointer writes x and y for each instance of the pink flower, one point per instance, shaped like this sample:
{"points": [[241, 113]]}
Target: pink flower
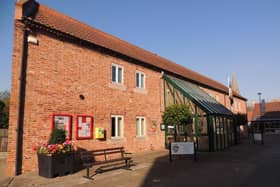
{"points": [[34, 148], [43, 148]]}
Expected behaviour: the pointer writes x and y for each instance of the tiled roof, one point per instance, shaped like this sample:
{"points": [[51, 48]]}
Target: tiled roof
{"points": [[58, 21], [272, 110]]}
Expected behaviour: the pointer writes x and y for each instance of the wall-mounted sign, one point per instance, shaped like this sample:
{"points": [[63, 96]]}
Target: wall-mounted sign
{"points": [[63, 121], [99, 133], [84, 127], [162, 127]]}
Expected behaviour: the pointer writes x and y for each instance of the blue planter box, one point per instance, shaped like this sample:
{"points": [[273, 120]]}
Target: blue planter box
{"points": [[55, 165]]}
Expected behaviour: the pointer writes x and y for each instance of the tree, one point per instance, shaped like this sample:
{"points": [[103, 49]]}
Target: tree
{"points": [[3, 116], [177, 115], [240, 119], [2, 106], [4, 109]]}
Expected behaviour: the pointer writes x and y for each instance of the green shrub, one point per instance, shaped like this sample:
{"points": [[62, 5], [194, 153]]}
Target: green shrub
{"points": [[58, 136], [240, 119], [177, 114]]}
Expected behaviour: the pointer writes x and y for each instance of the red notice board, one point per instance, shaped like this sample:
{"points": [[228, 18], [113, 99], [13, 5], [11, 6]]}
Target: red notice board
{"points": [[63, 121], [84, 127]]}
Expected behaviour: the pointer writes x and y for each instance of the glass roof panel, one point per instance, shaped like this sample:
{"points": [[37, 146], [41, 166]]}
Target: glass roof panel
{"points": [[198, 96]]}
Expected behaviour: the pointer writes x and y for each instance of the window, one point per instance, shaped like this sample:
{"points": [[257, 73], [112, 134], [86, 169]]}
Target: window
{"points": [[117, 126], [238, 106], [117, 74], [217, 98], [140, 126], [140, 80]]}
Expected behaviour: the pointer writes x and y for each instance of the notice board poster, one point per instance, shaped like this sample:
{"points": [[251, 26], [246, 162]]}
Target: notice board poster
{"points": [[182, 148], [84, 127], [63, 121]]}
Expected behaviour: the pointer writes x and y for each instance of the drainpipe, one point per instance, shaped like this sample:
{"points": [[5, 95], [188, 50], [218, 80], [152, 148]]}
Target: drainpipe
{"points": [[23, 9], [21, 103]]}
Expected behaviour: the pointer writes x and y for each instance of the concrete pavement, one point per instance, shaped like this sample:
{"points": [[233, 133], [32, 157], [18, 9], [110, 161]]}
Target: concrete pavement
{"points": [[243, 165], [3, 156]]}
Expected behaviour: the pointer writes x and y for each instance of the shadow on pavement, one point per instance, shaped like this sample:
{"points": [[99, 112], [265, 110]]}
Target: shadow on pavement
{"points": [[245, 164]]}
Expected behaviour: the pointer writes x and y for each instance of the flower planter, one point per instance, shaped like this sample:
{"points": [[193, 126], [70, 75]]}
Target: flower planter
{"points": [[55, 165]]}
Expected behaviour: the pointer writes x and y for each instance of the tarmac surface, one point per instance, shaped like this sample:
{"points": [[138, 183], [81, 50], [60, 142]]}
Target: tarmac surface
{"points": [[246, 164]]}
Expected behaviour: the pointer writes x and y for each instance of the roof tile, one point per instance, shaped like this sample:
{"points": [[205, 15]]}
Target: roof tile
{"points": [[58, 21]]}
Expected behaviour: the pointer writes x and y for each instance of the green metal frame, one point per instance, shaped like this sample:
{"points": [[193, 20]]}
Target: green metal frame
{"points": [[211, 114]]}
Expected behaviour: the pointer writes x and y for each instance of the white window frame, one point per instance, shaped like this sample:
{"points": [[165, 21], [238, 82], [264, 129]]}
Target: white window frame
{"points": [[217, 97], [140, 82], [121, 133], [238, 106], [117, 74], [140, 118]]}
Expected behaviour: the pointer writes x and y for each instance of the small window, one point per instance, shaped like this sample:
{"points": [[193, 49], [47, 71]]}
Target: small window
{"points": [[117, 126], [140, 126], [238, 106], [140, 80], [217, 98], [117, 74]]}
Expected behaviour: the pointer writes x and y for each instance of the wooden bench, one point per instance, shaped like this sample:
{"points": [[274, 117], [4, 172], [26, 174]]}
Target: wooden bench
{"points": [[89, 158]]}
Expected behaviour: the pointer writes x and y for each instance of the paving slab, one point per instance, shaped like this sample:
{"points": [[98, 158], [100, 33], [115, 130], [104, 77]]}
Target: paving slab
{"points": [[246, 164]]}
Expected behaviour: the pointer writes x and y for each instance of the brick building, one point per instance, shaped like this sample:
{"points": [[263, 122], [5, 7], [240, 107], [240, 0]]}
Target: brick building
{"points": [[266, 114], [270, 110], [66, 70]]}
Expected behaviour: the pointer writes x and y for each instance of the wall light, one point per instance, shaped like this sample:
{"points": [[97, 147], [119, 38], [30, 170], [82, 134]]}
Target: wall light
{"points": [[33, 40]]}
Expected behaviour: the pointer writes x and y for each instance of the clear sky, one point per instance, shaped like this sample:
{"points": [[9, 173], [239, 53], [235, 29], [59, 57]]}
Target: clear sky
{"points": [[214, 38]]}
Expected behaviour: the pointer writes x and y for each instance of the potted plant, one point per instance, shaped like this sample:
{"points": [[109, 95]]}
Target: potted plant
{"points": [[56, 158]]}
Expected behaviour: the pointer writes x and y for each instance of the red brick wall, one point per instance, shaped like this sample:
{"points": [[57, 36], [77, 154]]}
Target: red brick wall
{"points": [[57, 73]]}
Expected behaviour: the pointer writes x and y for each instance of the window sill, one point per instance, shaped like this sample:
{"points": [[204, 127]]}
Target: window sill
{"points": [[117, 138], [140, 137], [140, 90], [117, 86]]}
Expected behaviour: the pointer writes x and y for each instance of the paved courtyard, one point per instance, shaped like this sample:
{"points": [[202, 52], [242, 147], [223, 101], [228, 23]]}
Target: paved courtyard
{"points": [[243, 165]]}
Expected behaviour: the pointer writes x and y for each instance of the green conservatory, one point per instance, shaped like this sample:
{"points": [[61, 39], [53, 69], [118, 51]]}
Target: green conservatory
{"points": [[212, 128]]}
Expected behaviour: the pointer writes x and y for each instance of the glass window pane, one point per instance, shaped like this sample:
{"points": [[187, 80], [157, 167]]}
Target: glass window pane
{"points": [[137, 80], [142, 80], [113, 123], [222, 133], [142, 127], [113, 73], [119, 75], [137, 127], [119, 131]]}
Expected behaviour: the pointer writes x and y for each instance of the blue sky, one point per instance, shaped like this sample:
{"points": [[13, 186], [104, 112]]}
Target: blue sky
{"points": [[214, 38]]}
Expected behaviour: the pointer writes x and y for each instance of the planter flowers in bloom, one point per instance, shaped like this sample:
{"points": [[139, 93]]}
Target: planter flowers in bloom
{"points": [[63, 148]]}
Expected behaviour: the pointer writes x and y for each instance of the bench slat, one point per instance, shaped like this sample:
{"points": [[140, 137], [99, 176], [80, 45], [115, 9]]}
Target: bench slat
{"points": [[88, 157], [92, 154], [109, 161], [89, 164], [101, 150]]}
